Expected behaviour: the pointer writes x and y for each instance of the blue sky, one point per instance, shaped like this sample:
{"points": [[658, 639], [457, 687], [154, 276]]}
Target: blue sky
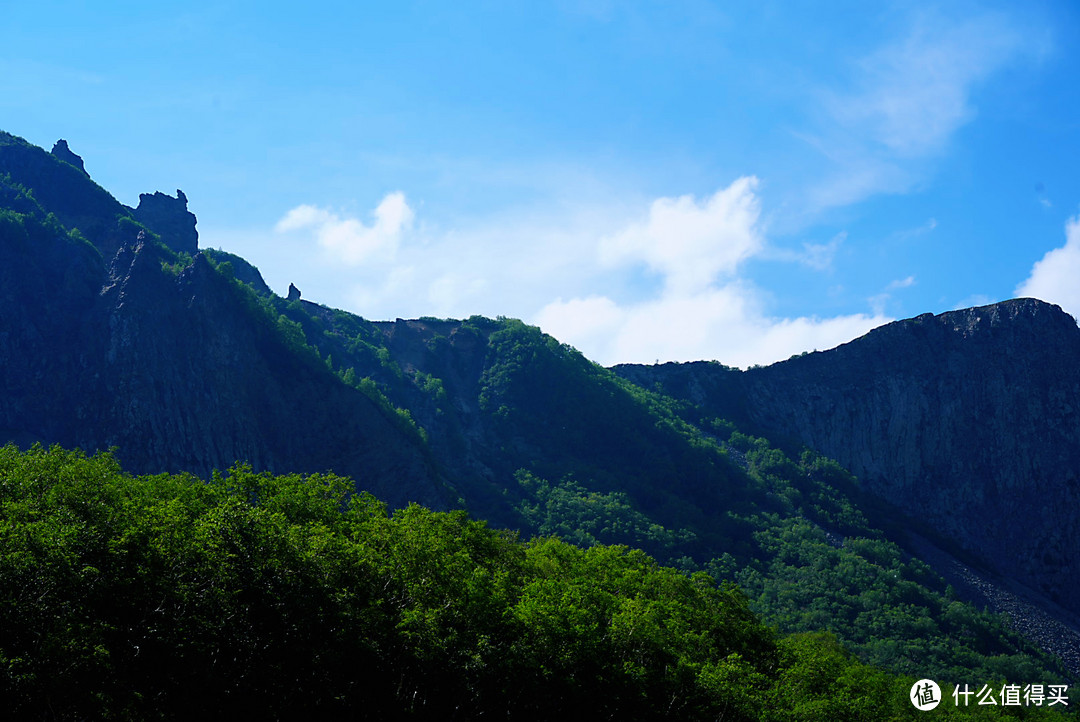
{"points": [[645, 181]]}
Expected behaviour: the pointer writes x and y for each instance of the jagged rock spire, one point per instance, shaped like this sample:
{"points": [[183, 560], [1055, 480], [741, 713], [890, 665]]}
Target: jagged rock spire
{"points": [[64, 153]]}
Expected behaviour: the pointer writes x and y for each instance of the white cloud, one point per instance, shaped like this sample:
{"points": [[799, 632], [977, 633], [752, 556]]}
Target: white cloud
{"points": [[703, 310], [688, 242], [1054, 278], [696, 305], [510, 264], [727, 324], [592, 319], [348, 240]]}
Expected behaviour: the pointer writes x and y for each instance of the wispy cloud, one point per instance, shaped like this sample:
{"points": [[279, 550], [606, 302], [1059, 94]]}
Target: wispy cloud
{"points": [[905, 101], [901, 283], [879, 301], [912, 95], [817, 256], [925, 228]]}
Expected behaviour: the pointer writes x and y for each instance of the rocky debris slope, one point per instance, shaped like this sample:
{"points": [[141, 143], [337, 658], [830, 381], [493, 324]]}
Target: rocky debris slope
{"points": [[1057, 633]]}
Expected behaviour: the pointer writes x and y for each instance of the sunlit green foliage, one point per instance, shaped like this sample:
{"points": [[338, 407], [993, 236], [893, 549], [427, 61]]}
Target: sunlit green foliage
{"points": [[819, 564], [279, 597], [585, 518]]}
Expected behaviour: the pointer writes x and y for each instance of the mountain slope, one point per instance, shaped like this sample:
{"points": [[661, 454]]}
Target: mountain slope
{"points": [[177, 364], [968, 421]]}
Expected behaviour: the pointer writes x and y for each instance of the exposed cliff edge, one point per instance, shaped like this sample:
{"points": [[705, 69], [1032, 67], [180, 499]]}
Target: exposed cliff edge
{"points": [[191, 376], [170, 218], [64, 153], [60, 185], [65, 190], [968, 420]]}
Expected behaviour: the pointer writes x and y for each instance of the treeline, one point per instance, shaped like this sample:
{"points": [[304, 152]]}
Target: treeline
{"points": [[167, 597]]}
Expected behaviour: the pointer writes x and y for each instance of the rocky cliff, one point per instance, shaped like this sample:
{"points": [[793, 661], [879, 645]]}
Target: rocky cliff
{"points": [[64, 153], [968, 420], [59, 184], [170, 218], [173, 362]]}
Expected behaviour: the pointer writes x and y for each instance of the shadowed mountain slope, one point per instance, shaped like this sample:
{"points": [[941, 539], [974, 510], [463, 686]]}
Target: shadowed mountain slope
{"points": [[179, 365], [968, 420]]}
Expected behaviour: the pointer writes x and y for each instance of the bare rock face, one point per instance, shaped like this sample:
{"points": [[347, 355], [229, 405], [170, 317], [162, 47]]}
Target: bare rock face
{"points": [[177, 372], [170, 218], [294, 293], [64, 153], [191, 379], [48, 286], [968, 420]]}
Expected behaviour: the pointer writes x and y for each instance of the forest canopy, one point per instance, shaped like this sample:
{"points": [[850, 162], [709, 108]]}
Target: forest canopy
{"points": [[152, 597]]}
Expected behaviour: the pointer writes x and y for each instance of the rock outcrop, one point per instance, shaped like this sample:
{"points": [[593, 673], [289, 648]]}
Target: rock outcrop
{"points": [[62, 187], [64, 153], [170, 218]]}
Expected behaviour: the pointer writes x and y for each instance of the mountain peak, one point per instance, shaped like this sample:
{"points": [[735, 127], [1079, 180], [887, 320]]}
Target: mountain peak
{"points": [[171, 218], [64, 153], [1028, 313]]}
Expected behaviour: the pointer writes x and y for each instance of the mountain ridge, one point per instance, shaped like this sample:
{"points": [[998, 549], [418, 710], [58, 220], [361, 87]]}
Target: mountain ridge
{"points": [[923, 409]]}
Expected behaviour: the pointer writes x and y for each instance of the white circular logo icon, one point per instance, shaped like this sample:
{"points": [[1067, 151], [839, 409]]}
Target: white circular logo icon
{"points": [[925, 694]]}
